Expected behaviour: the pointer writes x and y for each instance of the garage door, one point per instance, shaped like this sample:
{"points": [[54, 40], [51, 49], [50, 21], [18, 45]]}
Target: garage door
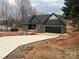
{"points": [[53, 29]]}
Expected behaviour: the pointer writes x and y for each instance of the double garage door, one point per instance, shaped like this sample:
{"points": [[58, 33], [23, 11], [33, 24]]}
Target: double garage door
{"points": [[53, 29]]}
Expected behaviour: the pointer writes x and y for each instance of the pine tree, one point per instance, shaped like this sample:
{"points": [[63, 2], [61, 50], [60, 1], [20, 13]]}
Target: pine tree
{"points": [[69, 4], [71, 10]]}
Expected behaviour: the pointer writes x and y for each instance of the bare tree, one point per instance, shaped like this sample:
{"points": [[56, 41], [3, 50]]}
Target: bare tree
{"points": [[34, 11], [21, 10], [24, 8], [4, 10]]}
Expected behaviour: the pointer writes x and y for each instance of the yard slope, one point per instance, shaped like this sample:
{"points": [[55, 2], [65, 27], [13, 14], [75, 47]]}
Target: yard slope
{"points": [[63, 47]]}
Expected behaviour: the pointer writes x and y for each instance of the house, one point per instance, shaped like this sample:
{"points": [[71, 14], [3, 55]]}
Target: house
{"points": [[25, 24], [46, 23]]}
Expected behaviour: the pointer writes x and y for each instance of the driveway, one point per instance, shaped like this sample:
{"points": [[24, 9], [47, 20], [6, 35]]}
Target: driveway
{"points": [[9, 43]]}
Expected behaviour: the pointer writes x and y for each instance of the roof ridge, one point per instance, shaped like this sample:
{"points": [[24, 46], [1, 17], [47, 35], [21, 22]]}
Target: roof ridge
{"points": [[56, 16], [60, 19], [48, 18]]}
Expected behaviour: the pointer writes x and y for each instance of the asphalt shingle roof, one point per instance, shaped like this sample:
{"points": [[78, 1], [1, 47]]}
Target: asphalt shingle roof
{"points": [[42, 19]]}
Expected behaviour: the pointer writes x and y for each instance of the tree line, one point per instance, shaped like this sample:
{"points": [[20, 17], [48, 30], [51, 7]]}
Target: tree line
{"points": [[15, 13], [71, 11]]}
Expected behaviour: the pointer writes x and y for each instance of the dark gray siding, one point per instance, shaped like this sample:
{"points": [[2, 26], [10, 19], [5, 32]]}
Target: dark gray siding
{"points": [[54, 22]]}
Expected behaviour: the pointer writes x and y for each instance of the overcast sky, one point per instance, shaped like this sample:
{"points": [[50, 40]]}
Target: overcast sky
{"points": [[47, 6]]}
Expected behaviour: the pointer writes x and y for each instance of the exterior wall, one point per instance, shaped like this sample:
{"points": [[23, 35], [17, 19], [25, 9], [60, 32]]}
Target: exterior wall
{"points": [[64, 28], [2, 27], [42, 28], [25, 27], [37, 28]]}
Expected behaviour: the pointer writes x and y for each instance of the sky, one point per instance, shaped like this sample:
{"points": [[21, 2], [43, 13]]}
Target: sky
{"points": [[46, 6], [12, 2], [49, 6]]}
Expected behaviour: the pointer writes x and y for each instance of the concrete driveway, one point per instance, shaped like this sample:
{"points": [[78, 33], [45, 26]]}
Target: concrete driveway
{"points": [[8, 44]]}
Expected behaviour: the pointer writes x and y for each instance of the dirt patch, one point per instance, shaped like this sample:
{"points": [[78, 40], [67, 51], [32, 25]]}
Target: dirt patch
{"points": [[63, 47], [16, 33], [70, 29], [70, 41], [10, 33]]}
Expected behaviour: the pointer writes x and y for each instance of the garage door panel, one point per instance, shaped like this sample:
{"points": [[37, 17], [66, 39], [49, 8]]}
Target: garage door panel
{"points": [[53, 29]]}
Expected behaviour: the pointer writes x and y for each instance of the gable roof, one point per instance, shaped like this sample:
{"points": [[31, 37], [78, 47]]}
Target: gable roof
{"points": [[35, 20], [62, 19], [59, 18], [27, 19], [42, 19], [38, 19]]}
